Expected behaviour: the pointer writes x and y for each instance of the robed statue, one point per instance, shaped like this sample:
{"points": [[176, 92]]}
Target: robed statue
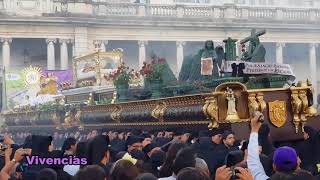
{"points": [[256, 51], [232, 113], [204, 66]]}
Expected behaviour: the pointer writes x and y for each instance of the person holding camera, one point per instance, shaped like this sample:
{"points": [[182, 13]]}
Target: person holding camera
{"points": [[9, 167]]}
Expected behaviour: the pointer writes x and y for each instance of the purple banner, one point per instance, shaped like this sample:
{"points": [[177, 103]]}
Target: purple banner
{"points": [[59, 75]]}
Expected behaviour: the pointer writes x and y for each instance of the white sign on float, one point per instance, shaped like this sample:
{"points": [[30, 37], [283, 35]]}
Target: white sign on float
{"points": [[260, 68]]}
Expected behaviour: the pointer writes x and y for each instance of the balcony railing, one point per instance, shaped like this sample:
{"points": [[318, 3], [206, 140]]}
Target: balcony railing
{"points": [[213, 12], [225, 12]]}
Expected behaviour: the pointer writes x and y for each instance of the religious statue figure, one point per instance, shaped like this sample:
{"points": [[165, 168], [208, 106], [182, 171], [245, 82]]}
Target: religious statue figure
{"points": [[204, 66], [230, 46], [48, 85], [256, 51], [232, 113]]}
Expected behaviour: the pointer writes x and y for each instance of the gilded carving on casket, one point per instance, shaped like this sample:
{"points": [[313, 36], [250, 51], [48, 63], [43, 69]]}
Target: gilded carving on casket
{"points": [[277, 113]]}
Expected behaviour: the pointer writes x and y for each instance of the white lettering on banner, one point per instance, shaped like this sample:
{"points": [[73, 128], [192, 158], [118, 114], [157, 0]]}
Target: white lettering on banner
{"points": [[261, 68]]}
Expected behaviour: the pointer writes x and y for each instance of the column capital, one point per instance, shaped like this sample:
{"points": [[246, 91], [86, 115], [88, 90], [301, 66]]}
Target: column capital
{"points": [[142, 43], [66, 41], [180, 43], [315, 45], [280, 44], [99, 42], [51, 40], [6, 40]]}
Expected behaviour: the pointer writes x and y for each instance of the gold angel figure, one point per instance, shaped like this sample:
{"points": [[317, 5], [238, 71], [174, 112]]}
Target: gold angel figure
{"points": [[210, 109], [296, 108], [253, 104]]}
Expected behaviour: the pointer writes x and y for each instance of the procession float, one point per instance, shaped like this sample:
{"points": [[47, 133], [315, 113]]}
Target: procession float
{"points": [[215, 88]]}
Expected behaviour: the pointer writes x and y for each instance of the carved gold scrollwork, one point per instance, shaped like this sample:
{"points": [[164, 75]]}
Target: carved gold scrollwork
{"points": [[262, 103], [210, 109], [159, 110], [97, 70], [304, 99], [90, 101], [252, 104], [115, 115], [256, 103], [114, 97], [77, 118], [68, 120], [296, 108]]}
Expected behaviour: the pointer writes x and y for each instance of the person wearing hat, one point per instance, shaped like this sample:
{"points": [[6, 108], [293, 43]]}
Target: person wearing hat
{"points": [[134, 143], [98, 152], [206, 149], [285, 159], [216, 136]]}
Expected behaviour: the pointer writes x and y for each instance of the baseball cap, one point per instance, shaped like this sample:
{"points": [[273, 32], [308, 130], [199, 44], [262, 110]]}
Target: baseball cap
{"points": [[285, 159]]}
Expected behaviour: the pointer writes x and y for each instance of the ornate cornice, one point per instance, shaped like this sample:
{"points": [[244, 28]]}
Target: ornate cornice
{"points": [[51, 40], [142, 43], [67, 41], [6, 40]]}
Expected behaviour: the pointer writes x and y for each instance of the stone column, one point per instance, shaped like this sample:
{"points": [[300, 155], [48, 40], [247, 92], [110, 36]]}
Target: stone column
{"points": [[64, 63], [6, 51], [103, 46], [279, 52], [180, 56], [142, 52], [238, 49], [50, 54], [313, 69]]}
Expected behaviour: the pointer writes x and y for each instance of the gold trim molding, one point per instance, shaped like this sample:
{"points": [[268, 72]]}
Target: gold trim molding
{"points": [[115, 115]]}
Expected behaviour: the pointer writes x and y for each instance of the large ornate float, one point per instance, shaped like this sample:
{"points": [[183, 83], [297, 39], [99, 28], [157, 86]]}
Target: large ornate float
{"points": [[213, 90]]}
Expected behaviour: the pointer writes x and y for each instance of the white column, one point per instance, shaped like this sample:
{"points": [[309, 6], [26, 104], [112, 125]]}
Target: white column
{"points": [[313, 68], [180, 56], [142, 52], [50, 54], [6, 51], [64, 54], [103, 46], [279, 52], [238, 49]]}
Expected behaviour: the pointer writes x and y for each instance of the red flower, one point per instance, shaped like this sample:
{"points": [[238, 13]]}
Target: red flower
{"points": [[162, 59], [153, 61]]}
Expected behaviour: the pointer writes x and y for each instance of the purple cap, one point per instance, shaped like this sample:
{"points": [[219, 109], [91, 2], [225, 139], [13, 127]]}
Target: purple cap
{"points": [[285, 159]]}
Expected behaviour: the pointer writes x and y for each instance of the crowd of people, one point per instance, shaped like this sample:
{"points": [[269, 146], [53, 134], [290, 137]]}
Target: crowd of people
{"points": [[164, 155]]}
